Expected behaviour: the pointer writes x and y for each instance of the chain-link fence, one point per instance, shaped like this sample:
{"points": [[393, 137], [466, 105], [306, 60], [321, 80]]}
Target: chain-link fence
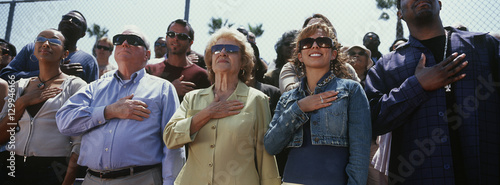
{"points": [[352, 18]]}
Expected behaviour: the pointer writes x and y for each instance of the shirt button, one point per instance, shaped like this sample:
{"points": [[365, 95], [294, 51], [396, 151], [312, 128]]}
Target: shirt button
{"points": [[210, 164], [213, 126], [110, 131], [106, 149], [124, 86], [100, 122], [446, 166], [212, 146], [316, 139], [441, 114]]}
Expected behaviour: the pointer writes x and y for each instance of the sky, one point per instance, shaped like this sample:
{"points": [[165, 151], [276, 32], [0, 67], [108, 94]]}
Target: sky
{"points": [[352, 19]]}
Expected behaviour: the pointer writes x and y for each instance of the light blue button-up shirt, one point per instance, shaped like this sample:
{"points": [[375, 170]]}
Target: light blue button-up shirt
{"points": [[120, 143]]}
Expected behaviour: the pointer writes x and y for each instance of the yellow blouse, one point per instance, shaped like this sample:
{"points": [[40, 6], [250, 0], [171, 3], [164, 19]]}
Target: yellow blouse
{"points": [[229, 150]]}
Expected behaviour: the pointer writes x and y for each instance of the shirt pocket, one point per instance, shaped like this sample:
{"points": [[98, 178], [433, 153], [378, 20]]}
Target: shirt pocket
{"points": [[336, 115]]}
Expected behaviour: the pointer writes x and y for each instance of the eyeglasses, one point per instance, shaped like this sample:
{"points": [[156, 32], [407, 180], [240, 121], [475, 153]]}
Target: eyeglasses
{"points": [[5, 51], [72, 20], [54, 42], [216, 49], [103, 47], [180, 36], [133, 40], [352, 53], [322, 42], [161, 44]]}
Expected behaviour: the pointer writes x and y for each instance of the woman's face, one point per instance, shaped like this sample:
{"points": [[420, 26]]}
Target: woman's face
{"points": [[317, 57], [358, 59], [226, 60], [49, 46]]}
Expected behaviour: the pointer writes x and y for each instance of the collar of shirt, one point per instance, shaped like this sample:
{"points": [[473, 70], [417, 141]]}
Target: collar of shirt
{"points": [[135, 77]]}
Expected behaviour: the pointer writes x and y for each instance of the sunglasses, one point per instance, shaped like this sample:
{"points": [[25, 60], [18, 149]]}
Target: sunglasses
{"points": [[216, 49], [361, 53], [5, 51], [133, 40], [54, 42], [322, 42], [72, 20], [161, 44], [180, 36], [103, 47]]}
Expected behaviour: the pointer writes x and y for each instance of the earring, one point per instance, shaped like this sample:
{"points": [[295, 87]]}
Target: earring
{"points": [[242, 72], [31, 58], [332, 66]]}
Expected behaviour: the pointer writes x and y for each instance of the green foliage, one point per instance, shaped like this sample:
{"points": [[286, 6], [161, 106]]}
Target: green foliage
{"points": [[257, 30], [97, 31], [216, 23]]}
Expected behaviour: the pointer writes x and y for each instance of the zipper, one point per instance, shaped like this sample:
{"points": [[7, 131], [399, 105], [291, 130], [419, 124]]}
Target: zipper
{"points": [[28, 140]]}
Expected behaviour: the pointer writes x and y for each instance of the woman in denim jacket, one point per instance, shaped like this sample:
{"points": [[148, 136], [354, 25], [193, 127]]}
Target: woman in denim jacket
{"points": [[325, 122]]}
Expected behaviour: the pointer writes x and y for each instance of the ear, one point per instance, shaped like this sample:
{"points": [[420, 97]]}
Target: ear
{"points": [[148, 54], [334, 55], [440, 5], [65, 54], [400, 15], [190, 42], [299, 56]]}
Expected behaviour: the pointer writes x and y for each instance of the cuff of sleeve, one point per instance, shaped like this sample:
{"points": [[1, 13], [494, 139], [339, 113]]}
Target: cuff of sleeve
{"points": [[415, 91], [298, 115], [182, 129], [98, 116]]}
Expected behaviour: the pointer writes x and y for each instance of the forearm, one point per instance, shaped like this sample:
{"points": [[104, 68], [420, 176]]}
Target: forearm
{"points": [[199, 120], [282, 127], [71, 171]]}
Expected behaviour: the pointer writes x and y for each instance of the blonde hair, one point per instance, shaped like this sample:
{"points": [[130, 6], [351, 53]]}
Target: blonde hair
{"points": [[246, 50], [339, 63]]}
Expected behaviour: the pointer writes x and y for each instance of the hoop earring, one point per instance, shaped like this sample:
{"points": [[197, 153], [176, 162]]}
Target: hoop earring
{"points": [[242, 72], [31, 58]]}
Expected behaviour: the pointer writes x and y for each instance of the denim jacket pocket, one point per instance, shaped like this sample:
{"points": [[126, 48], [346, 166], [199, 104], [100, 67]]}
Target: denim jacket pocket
{"points": [[335, 120]]}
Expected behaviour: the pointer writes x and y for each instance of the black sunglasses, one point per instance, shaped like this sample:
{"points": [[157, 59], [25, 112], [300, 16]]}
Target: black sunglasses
{"points": [[322, 42], [161, 44], [180, 36], [72, 20], [103, 47], [5, 51], [216, 49], [51, 41], [361, 53], [133, 40]]}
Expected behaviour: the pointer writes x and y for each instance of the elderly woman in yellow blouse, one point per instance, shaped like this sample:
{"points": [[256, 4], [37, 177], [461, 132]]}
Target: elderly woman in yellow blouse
{"points": [[224, 125]]}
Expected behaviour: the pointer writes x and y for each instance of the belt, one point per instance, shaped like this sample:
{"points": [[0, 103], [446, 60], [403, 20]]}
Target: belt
{"points": [[121, 173]]}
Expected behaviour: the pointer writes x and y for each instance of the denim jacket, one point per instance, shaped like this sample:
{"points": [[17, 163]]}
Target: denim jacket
{"points": [[345, 123]]}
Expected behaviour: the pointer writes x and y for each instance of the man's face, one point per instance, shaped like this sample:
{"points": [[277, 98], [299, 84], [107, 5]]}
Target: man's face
{"points": [[5, 58], [129, 56], [103, 49], [175, 45], [72, 25], [419, 10], [160, 47]]}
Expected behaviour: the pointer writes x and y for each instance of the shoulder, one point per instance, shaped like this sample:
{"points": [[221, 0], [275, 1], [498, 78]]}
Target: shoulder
{"points": [[152, 80], [82, 57]]}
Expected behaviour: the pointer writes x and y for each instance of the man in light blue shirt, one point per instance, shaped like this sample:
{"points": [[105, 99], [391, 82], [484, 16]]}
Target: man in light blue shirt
{"points": [[121, 119]]}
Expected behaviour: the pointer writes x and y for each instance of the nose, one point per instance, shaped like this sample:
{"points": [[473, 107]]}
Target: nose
{"points": [[125, 44], [315, 45], [46, 44]]}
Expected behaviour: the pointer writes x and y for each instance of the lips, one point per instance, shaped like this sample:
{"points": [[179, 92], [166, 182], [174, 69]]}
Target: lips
{"points": [[421, 3], [315, 55]]}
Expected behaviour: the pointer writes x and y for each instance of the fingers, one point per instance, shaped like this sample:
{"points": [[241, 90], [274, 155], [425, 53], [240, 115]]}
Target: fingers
{"points": [[127, 97], [188, 84], [181, 78], [67, 61], [454, 62], [50, 93]]}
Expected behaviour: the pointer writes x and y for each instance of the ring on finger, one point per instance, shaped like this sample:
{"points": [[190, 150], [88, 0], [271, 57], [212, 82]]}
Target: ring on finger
{"points": [[321, 98]]}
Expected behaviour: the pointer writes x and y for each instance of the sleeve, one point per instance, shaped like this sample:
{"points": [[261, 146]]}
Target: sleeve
{"points": [[359, 130], [288, 78], [90, 67], [283, 125], [75, 86], [177, 131], [20, 65], [173, 159], [266, 163], [77, 115], [391, 104]]}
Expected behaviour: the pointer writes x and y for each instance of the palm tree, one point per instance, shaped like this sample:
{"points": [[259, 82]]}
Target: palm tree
{"points": [[257, 30], [97, 31], [216, 23], [391, 5]]}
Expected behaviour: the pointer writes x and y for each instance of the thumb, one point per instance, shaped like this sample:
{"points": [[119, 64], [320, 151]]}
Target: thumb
{"points": [[67, 61], [181, 78], [216, 98], [421, 63], [128, 97]]}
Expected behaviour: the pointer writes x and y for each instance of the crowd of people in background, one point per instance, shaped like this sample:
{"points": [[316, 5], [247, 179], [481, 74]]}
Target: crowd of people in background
{"points": [[425, 112]]}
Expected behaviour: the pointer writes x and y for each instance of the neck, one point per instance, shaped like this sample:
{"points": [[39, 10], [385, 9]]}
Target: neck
{"points": [[71, 46], [225, 85], [313, 77], [48, 71], [178, 60], [103, 61], [426, 31]]}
